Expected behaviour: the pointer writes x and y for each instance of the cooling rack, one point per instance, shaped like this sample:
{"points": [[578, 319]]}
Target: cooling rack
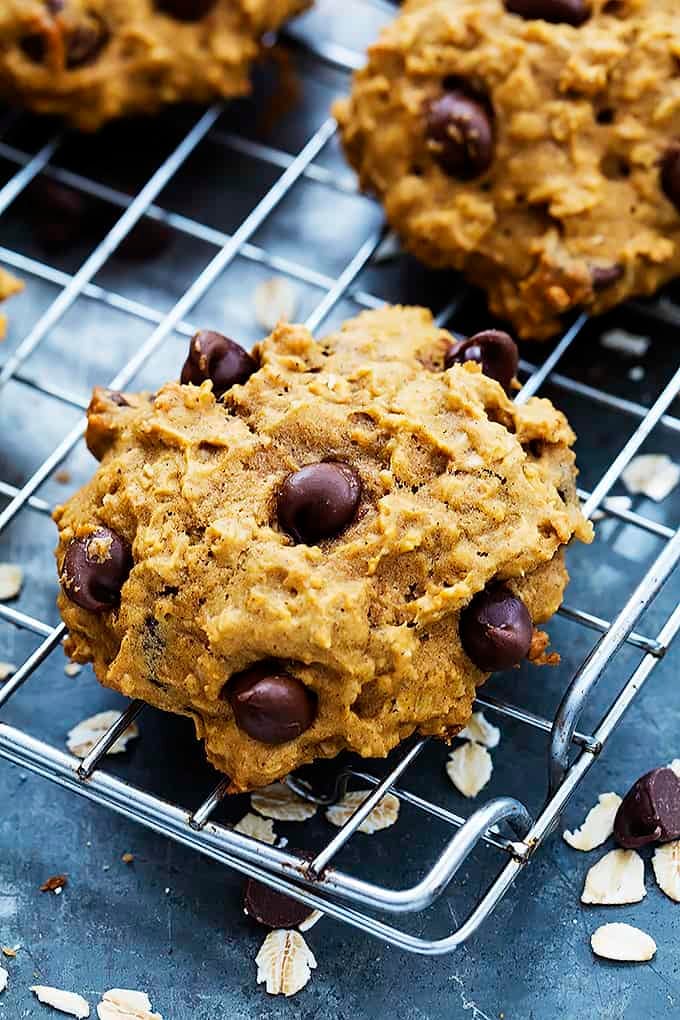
{"points": [[503, 823]]}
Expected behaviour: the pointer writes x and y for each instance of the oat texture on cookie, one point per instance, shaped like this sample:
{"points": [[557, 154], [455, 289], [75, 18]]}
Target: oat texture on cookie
{"points": [[91, 60], [289, 564], [534, 146]]}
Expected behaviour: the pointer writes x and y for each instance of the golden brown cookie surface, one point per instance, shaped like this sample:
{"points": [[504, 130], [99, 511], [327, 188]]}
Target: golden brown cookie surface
{"points": [[9, 285], [539, 157], [356, 634], [92, 60]]}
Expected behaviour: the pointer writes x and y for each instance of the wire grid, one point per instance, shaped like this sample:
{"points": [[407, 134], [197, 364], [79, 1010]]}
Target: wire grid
{"points": [[343, 895]]}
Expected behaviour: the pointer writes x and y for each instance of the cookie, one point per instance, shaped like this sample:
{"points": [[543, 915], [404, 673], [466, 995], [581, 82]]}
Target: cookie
{"points": [[532, 144], [91, 60], [320, 546], [9, 285]]}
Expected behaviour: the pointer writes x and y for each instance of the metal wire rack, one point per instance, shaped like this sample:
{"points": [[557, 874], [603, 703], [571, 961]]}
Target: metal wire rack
{"points": [[503, 822]]}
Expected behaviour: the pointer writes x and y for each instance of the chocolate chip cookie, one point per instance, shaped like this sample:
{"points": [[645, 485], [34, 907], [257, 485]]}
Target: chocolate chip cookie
{"points": [[91, 60], [533, 144], [322, 545], [9, 285]]}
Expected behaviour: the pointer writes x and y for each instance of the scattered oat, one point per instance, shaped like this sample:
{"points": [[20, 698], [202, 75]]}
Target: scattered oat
{"points": [[4, 978], [598, 826], [623, 942], [636, 373], [284, 962], [7, 669], [383, 815], [612, 504], [54, 884], [626, 343], [72, 668], [675, 766], [127, 858], [618, 877], [275, 301], [310, 921], [278, 801], [481, 731], [124, 1004], [653, 474], [9, 951], [666, 864], [469, 768], [83, 737], [257, 827], [11, 581], [65, 1002]]}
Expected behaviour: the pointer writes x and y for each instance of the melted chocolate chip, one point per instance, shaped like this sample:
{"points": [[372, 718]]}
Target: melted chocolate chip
{"points": [[269, 704], [318, 501], [271, 908], [650, 811], [95, 569], [186, 10], [493, 349], [670, 175], [117, 398], [216, 357], [570, 12], [460, 127], [496, 629], [604, 276], [85, 42]]}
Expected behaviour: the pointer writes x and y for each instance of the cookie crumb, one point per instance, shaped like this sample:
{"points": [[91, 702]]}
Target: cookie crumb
{"points": [[127, 858], [63, 476], [54, 884]]}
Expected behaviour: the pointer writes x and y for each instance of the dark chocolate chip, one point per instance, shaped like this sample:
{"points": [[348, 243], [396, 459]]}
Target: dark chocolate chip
{"points": [[493, 349], [318, 501], [650, 811], [95, 569], [269, 704], [118, 398], [186, 10], [34, 46], [85, 42], [603, 276], [271, 908], [570, 12], [147, 240], [59, 215], [55, 6], [216, 357], [670, 175], [460, 126], [496, 629]]}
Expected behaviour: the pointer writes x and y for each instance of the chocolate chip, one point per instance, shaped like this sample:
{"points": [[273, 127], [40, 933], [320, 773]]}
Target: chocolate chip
{"points": [[34, 46], [216, 357], [116, 397], [95, 569], [55, 6], [85, 42], [318, 501], [496, 629], [459, 126], [670, 175], [147, 240], [603, 276], [186, 10], [650, 811], [269, 704], [493, 349], [571, 12], [271, 908], [59, 215]]}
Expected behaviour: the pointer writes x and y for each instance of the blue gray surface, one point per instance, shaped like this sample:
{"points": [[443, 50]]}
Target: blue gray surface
{"points": [[171, 922]]}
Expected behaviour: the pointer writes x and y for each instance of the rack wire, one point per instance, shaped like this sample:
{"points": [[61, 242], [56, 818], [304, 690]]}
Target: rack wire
{"points": [[503, 822]]}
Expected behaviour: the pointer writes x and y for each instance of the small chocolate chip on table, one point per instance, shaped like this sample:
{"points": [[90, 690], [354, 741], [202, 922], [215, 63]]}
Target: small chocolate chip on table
{"points": [[269, 704], [650, 811], [496, 629], [493, 349]]}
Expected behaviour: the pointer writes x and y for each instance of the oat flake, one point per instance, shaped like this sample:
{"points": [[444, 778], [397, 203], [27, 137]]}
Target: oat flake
{"points": [[284, 963], [83, 737], [4, 978], [275, 300], [310, 921], [623, 942], [7, 669], [469, 768], [11, 581], [618, 877], [278, 801], [65, 1002], [652, 474], [257, 827], [598, 826], [383, 815], [481, 731], [72, 668], [125, 1004], [632, 344], [666, 864]]}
